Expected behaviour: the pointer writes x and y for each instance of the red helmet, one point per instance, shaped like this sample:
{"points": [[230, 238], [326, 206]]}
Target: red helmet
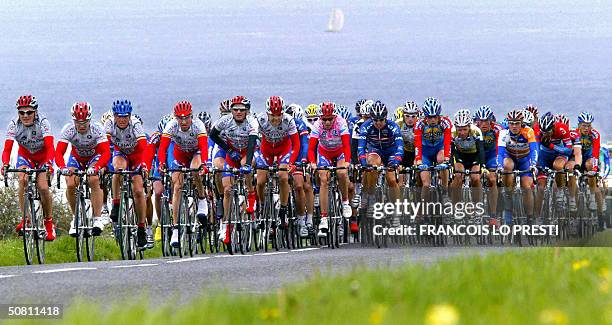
{"points": [[275, 105], [182, 108], [81, 111], [27, 101], [241, 100], [327, 108]]}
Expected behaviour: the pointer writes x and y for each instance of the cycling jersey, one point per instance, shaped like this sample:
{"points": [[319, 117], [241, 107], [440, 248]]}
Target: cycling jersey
{"points": [[469, 150], [330, 143], [429, 139], [304, 134], [407, 135], [386, 142], [35, 142], [235, 134], [355, 140], [278, 141], [604, 157], [489, 140], [125, 140], [84, 146], [521, 146], [557, 143], [187, 143]]}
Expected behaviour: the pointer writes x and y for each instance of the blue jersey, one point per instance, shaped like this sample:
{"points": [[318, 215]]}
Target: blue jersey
{"points": [[604, 161], [303, 132], [387, 140]]}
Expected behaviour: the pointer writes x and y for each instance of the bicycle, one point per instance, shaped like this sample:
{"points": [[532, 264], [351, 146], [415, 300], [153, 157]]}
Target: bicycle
{"points": [[467, 196], [33, 230], [587, 218], [127, 226], [380, 197], [410, 194], [334, 212], [240, 229], [435, 195], [165, 217], [83, 216], [519, 216], [555, 212], [188, 226], [268, 230]]}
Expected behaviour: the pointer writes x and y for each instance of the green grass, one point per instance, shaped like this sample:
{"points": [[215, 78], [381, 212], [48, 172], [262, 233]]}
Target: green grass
{"points": [[63, 250], [528, 286]]}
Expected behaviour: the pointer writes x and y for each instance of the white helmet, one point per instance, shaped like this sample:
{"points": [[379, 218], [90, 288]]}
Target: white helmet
{"points": [[463, 118]]}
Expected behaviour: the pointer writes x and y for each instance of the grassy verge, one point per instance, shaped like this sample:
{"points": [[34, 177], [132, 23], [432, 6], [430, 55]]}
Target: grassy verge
{"points": [[534, 286], [63, 250]]}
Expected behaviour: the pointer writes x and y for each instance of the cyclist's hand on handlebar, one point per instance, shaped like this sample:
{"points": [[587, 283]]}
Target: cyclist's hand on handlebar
{"points": [[534, 170], [422, 167], [162, 167], [209, 165], [66, 171], [442, 166], [3, 170], [313, 166], [49, 166], [292, 168], [92, 171], [246, 169], [203, 169]]}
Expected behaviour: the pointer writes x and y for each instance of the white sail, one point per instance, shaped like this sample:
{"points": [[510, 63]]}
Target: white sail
{"points": [[336, 21]]}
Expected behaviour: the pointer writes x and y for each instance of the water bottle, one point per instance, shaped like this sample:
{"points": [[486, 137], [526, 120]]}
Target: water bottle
{"points": [[357, 197], [316, 200]]}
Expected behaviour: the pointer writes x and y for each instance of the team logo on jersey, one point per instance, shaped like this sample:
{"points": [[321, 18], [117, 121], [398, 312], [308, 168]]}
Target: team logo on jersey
{"points": [[89, 136]]}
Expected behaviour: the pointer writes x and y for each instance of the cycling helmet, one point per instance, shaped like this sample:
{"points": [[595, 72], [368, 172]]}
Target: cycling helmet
{"points": [[136, 116], [182, 108], [484, 113], [463, 118], [328, 109], [562, 118], [379, 110], [358, 105], [122, 107], [432, 107], [292, 108], [206, 119], [163, 122], [547, 122], [27, 101], [344, 112], [515, 115], [312, 110], [399, 113], [240, 100], [366, 108], [224, 107], [528, 118], [410, 108], [81, 111], [298, 112], [532, 108], [585, 117], [275, 105]]}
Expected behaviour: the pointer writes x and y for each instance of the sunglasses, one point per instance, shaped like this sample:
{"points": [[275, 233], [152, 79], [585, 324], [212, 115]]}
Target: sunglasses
{"points": [[379, 119], [410, 116], [239, 109], [514, 122], [28, 113], [81, 122], [183, 118], [327, 119]]}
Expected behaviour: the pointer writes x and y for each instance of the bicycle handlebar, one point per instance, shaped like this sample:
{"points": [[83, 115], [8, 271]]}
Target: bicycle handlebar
{"points": [[29, 171]]}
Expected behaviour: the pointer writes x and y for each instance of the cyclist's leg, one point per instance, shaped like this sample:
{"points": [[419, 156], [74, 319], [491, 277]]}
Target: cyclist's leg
{"points": [[492, 180], [476, 183], [457, 180], [42, 180], [119, 162], [444, 174], [526, 186], [572, 185], [309, 200], [262, 175], [427, 160], [592, 181], [22, 163], [202, 213]]}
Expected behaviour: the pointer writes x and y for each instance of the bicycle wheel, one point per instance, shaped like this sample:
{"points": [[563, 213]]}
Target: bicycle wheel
{"points": [[79, 219], [191, 227], [41, 232], [182, 220], [28, 230], [89, 238]]}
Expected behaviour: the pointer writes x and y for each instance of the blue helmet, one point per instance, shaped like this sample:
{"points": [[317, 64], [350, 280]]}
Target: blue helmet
{"points": [[432, 107], [344, 112], [484, 113], [585, 117], [379, 110], [122, 107]]}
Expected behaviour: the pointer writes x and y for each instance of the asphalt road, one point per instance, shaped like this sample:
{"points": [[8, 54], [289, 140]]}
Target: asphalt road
{"points": [[188, 277]]}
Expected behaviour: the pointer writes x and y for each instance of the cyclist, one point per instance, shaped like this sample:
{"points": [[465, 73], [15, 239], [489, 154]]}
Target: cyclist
{"points": [[90, 152], [380, 144], [555, 150], [364, 115], [536, 125], [106, 116], [329, 144], [240, 131], [485, 120], [218, 156], [32, 132], [410, 115], [561, 118], [301, 184], [312, 115], [190, 149], [432, 138], [468, 152], [517, 149], [280, 143], [588, 158], [126, 134], [399, 113]]}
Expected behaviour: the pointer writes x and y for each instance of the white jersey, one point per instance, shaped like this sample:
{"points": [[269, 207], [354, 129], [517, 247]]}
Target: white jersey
{"points": [[187, 141], [125, 139], [83, 144], [29, 137], [276, 134], [237, 134]]}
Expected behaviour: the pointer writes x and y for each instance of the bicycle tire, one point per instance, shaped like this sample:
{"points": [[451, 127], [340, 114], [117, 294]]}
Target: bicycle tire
{"points": [[40, 232]]}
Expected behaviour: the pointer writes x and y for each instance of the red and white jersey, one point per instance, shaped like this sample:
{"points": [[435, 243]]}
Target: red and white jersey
{"points": [[125, 139], [237, 134], [30, 137], [84, 145], [276, 136], [187, 140]]}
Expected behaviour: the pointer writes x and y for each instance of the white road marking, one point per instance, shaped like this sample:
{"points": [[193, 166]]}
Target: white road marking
{"points": [[235, 255], [132, 265], [66, 270], [273, 253], [305, 249], [188, 260], [2, 276]]}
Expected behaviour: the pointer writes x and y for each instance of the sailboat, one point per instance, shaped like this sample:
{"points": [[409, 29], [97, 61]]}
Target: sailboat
{"points": [[336, 21]]}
